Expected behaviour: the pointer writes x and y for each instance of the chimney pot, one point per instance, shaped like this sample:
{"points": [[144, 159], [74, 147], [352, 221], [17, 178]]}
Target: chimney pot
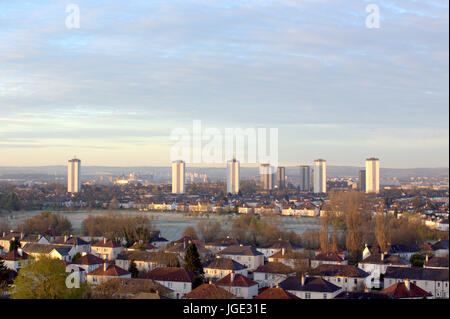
{"points": [[105, 266], [104, 240], [303, 280], [65, 238], [232, 276], [283, 251], [21, 235], [407, 284], [426, 258], [382, 256], [20, 251]]}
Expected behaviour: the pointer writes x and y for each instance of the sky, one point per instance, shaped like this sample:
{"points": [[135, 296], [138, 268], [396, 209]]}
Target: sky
{"points": [[113, 90]]}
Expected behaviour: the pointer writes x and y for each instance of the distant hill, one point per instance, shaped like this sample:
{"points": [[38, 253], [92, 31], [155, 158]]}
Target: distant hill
{"points": [[215, 172]]}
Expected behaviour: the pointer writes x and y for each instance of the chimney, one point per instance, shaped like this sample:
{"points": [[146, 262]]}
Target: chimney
{"points": [[303, 280], [426, 258], [4, 234], [232, 276], [210, 281], [83, 253], [407, 284], [283, 251], [65, 238], [21, 235], [10, 230], [105, 266], [20, 251], [104, 240], [39, 236], [382, 256], [241, 245]]}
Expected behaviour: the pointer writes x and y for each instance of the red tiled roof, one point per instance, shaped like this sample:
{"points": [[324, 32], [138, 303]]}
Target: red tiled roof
{"points": [[209, 291], [239, 281], [399, 290], [14, 255], [170, 274], [111, 270], [276, 293], [109, 243]]}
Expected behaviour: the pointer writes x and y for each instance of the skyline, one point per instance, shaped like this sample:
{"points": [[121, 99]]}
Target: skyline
{"points": [[114, 89]]}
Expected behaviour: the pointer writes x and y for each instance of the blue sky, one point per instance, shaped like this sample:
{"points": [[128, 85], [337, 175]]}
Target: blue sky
{"points": [[112, 91]]}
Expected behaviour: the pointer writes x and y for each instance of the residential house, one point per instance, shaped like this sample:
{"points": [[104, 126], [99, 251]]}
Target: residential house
{"points": [[33, 239], [406, 290], [61, 252], [222, 243], [89, 262], [239, 285], [175, 278], [275, 293], [220, 267], [141, 246], [209, 291], [434, 281], [348, 277], [436, 262], [272, 273], [403, 251], [328, 258], [106, 272], [376, 265], [310, 287], [79, 245], [276, 246], [159, 242], [245, 255], [290, 258], [107, 249], [146, 261]]}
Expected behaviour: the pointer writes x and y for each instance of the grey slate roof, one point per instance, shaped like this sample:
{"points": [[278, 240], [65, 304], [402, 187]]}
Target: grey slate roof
{"points": [[241, 251], [312, 284], [224, 264], [417, 273], [330, 270]]}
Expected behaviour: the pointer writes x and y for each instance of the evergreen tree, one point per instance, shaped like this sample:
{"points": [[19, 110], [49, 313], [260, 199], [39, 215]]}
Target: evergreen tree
{"points": [[133, 270], [14, 244], [192, 260]]}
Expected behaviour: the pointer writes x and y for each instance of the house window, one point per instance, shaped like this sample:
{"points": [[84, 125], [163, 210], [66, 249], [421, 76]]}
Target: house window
{"points": [[339, 280], [169, 284], [266, 276], [355, 281], [324, 296], [345, 280], [307, 295], [439, 284], [184, 286]]}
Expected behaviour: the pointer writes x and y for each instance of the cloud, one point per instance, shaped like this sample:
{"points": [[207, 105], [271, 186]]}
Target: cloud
{"points": [[136, 70]]}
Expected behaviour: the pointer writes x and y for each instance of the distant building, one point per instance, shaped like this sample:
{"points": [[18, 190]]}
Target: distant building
{"points": [[178, 181], [267, 176], [372, 175], [320, 176], [281, 177], [233, 174], [73, 176], [305, 178], [362, 180]]}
